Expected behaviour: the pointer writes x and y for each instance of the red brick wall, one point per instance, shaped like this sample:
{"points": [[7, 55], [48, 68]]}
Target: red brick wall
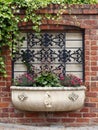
{"points": [[87, 19]]}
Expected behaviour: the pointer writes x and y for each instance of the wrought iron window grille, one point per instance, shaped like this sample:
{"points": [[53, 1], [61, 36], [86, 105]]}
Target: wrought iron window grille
{"points": [[50, 51]]}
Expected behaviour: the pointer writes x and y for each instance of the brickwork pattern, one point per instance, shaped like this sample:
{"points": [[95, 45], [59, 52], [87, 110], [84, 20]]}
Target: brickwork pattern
{"points": [[87, 19]]}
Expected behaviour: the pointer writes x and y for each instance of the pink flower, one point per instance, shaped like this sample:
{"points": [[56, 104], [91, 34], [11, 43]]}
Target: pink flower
{"points": [[61, 77]]}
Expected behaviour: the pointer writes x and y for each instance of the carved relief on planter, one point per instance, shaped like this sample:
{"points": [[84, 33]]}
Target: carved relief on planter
{"points": [[48, 98]]}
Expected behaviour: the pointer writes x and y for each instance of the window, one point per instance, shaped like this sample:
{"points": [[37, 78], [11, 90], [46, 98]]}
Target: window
{"points": [[62, 51]]}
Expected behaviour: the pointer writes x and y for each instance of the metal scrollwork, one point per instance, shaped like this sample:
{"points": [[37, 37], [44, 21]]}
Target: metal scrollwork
{"points": [[49, 48]]}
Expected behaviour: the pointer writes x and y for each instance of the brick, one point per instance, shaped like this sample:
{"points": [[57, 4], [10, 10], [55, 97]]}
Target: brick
{"points": [[94, 78], [90, 22], [75, 115], [32, 114], [16, 115], [38, 120], [94, 110], [53, 120], [2, 83], [83, 120], [94, 99], [87, 42], [56, 28], [93, 73], [8, 84], [7, 110], [89, 115], [87, 73], [94, 120], [87, 58], [68, 120], [87, 78], [6, 99], [90, 104], [84, 110], [89, 11], [94, 58], [4, 114], [60, 114], [4, 104], [93, 53], [44, 27], [93, 42], [94, 48], [93, 32], [2, 94], [6, 89], [93, 63], [87, 52], [95, 89], [91, 94], [22, 120], [9, 68], [94, 68], [93, 84], [87, 68]]}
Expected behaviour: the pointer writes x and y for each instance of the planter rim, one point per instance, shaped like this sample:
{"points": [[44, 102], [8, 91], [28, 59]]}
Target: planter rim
{"points": [[46, 88]]}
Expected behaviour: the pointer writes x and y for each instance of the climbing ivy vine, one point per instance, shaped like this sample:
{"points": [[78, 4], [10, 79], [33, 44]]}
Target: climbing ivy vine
{"points": [[9, 31]]}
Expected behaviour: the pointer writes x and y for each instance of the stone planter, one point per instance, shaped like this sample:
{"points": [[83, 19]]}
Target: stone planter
{"points": [[48, 98]]}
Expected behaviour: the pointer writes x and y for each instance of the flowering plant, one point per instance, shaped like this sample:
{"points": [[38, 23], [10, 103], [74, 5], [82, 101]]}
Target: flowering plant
{"points": [[42, 79], [70, 80], [47, 79], [24, 80]]}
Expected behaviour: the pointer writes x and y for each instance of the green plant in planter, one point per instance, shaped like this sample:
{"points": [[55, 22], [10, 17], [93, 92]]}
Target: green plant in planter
{"points": [[44, 79], [47, 79]]}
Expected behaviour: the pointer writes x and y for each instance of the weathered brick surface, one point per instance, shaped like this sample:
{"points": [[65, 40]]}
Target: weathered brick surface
{"points": [[87, 20]]}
